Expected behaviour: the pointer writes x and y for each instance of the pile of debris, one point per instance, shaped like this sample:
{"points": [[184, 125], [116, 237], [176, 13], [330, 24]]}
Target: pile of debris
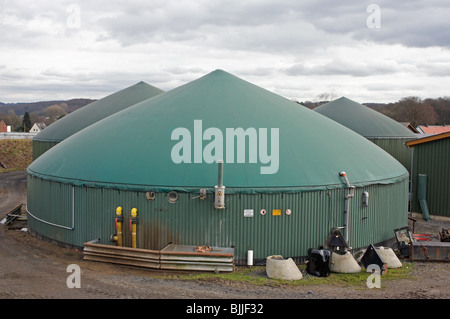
{"points": [[423, 246], [337, 257], [16, 218]]}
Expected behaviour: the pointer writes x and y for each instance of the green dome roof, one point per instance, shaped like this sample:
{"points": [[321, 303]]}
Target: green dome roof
{"points": [[95, 111], [363, 120], [135, 148]]}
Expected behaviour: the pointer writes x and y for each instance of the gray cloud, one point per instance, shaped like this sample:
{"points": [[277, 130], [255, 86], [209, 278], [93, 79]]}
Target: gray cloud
{"points": [[339, 66], [276, 44], [412, 24]]}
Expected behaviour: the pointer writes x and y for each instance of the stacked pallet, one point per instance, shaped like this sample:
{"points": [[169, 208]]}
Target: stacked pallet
{"points": [[172, 257]]}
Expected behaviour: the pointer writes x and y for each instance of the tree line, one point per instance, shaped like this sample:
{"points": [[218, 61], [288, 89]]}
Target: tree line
{"points": [[23, 123], [43, 112], [411, 109], [419, 111]]}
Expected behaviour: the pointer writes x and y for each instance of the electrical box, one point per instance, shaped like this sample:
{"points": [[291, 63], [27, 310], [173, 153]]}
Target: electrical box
{"points": [[248, 212]]}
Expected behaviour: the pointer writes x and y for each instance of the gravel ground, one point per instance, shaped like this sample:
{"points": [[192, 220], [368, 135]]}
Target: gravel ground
{"points": [[31, 268]]}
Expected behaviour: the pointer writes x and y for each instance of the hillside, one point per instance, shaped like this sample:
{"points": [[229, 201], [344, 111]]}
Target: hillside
{"points": [[40, 112], [15, 154], [34, 107]]}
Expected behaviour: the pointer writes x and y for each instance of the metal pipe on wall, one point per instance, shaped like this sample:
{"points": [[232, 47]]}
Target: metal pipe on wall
{"points": [[347, 204]]}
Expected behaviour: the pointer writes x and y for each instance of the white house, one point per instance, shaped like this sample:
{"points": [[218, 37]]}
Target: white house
{"points": [[37, 127]]}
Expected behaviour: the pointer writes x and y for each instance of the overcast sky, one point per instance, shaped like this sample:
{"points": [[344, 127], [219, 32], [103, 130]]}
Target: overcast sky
{"points": [[368, 51]]}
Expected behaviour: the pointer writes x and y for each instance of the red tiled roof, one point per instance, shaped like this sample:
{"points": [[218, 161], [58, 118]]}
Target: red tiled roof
{"points": [[434, 129]]}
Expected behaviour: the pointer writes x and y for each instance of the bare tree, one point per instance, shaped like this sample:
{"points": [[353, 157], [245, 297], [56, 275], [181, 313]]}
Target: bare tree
{"points": [[412, 109], [326, 97], [55, 111], [13, 120], [442, 107]]}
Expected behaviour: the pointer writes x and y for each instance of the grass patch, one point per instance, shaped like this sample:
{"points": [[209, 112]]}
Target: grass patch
{"points": [[257, 276]]}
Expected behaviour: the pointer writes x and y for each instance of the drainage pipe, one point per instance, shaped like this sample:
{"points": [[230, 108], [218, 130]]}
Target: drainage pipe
{"points": [[347, 204], [422, 195], [411, 192]]}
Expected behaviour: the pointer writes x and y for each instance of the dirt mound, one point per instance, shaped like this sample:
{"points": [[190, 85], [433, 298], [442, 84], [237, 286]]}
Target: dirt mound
{"points": [[15, 154]]}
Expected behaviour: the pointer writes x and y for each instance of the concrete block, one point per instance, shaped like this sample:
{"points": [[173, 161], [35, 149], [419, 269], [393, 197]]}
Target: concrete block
{"points": [[344, 263], [279, 268], [389, 257]]}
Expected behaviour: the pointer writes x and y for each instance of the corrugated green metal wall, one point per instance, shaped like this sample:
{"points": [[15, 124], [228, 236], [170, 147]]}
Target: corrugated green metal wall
{"points": [[433, 160], [40, 147], [194, 221], [396, 147]]}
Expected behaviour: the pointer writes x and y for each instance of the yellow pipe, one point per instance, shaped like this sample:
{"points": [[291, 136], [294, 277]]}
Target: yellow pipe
{"points": [[133, 221], [119, 219]]}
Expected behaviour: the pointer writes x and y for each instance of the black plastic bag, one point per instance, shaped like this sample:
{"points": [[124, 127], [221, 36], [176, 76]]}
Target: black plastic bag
{"points": [[318, 263]]}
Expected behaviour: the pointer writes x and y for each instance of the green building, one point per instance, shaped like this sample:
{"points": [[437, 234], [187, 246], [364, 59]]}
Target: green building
{"points": [[431, 170], [89, 114], [375, 126], [283, 175]]}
